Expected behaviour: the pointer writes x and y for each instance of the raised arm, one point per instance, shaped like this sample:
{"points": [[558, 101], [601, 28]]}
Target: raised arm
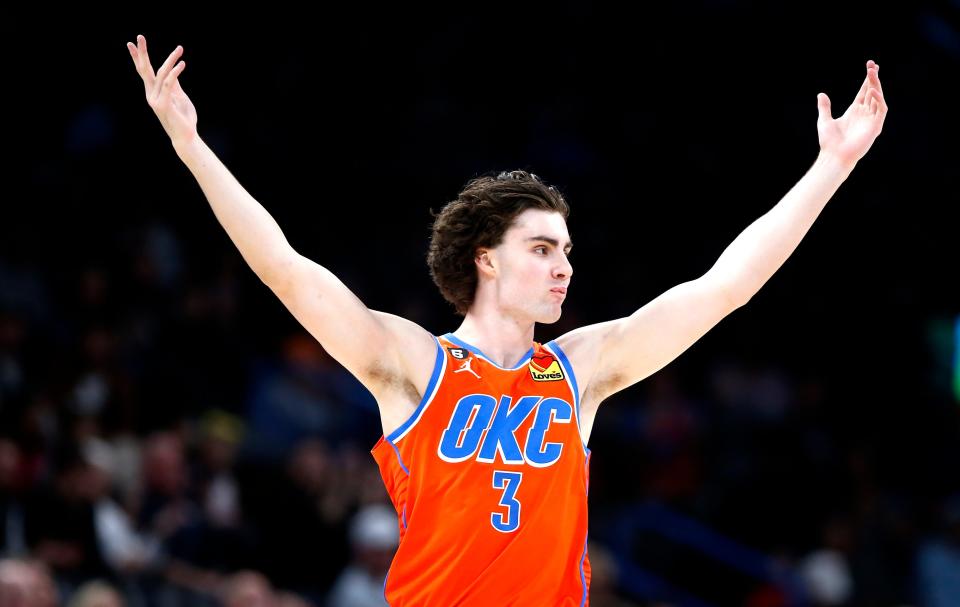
{"points": [[611, 356], [322, 304]]}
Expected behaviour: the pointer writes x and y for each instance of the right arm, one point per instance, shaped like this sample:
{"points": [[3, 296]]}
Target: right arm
{"points": [[367, 343], [312, 293]]}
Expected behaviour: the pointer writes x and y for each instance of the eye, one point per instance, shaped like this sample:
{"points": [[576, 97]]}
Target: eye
{"points": [[540, 250]]}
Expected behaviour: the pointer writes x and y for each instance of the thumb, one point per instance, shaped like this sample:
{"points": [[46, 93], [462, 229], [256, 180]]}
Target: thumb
{"points": [[823, 106]]}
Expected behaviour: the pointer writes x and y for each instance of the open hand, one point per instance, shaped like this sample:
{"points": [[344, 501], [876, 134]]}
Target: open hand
{"points": [[164, 93], [850, 136]]}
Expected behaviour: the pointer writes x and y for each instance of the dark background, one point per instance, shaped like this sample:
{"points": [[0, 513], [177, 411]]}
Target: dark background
{"points": [[668, 128]]}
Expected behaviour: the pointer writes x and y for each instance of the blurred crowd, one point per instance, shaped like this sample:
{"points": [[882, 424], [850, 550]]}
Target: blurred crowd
{"points": [[150, 457], [142, 463]]}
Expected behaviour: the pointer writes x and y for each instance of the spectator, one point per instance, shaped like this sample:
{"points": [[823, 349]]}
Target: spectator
{"points": [[374, 537], [302, 517], [826, 572], [60, 522], [96, 593], [26, 583], [12, 538], [248, 589], [938, 561]]}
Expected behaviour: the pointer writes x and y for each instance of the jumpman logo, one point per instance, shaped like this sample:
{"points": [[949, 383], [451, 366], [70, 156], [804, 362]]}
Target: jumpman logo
{"points": [[465, 366]]}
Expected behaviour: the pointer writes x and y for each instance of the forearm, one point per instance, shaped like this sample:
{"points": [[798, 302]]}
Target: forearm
{"points": [[251, 228], [760, 250]]}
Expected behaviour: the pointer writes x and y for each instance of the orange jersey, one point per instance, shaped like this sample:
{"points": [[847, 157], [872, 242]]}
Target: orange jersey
{"points": [[489, 478]]}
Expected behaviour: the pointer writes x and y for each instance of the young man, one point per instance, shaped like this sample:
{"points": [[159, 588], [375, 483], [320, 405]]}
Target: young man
{"points": [[485, 432]]}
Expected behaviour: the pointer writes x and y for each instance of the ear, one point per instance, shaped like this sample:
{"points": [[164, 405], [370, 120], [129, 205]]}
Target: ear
{"points": [[484, 263]]}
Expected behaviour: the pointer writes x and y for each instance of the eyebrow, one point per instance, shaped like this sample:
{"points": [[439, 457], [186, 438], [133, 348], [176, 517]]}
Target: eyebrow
{"points": [[551, 241]]}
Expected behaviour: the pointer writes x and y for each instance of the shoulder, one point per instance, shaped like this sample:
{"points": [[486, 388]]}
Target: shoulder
{"points": [[584, 348], [416, 348], [398, 378]]}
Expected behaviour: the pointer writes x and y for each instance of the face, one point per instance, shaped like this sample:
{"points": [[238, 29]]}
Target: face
{"points": [[531, 268]]}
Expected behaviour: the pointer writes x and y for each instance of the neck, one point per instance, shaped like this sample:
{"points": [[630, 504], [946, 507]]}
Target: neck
{"points": [[501, 338]]}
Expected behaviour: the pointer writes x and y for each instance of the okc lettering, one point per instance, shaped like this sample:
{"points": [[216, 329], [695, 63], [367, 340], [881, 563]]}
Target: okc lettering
{"points": [[483, 428]]}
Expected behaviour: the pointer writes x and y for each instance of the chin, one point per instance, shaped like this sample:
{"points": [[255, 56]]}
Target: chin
{"points": [[548, 318]]}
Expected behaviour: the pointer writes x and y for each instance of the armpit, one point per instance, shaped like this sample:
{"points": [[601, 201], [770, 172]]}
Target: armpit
{"points": [[388, 381], [603, 386]]}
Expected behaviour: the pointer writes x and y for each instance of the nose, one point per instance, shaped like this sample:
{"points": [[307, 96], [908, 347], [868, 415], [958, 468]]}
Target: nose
{"points": [[563, 270]]}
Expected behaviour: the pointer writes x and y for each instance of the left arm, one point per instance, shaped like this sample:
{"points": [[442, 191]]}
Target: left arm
{"points": [[613, 355]]}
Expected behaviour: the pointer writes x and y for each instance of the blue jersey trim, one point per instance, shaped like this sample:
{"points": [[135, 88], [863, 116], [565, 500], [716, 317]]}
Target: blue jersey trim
{"points": [[399, 459], [438, 366], [554, 348], [583, 578], [586, 537], [586, 471], [569, 369], [523, 360]]}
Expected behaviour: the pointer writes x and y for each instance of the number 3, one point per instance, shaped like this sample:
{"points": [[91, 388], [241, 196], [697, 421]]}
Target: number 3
{"points": [[509, 482]]}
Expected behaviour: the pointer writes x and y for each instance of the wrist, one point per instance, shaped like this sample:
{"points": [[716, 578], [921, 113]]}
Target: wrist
{"points": [[188, 149], [834, 164]]}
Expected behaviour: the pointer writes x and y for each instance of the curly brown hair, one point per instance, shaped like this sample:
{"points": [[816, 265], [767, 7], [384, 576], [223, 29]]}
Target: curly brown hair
{"points": [[478, 218]]}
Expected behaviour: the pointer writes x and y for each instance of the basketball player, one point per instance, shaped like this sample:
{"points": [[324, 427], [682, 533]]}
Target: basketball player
{"points": [[484, 451]]}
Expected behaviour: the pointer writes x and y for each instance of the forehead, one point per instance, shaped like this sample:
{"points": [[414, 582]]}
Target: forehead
{"points": [[537, 222]]}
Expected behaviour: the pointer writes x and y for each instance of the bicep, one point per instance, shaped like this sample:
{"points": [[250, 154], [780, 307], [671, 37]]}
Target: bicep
{"points": [[365, 342], [641, 344]]}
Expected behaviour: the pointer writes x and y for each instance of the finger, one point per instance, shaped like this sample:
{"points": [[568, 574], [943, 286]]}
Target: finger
{"points": [[133, 55], [169, 82], [170, 62], [145, 74], [142, 62], [136, 63], [823, 107], [144, 56], [862, 93], [874, 75], [166, 67], [881, 103]]}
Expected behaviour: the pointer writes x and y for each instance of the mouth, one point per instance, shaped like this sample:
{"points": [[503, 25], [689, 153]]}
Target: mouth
{"points": [[561, 291]]}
